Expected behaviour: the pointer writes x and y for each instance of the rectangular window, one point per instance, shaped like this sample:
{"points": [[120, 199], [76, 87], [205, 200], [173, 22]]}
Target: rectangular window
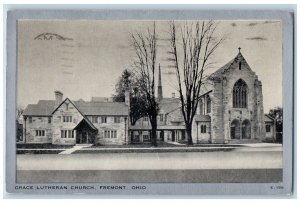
{"points": [[67, 133], [117, 119], [146, 118], [39, 133], [67, 119], [145, 137], [103, 119], [161, 117], [268, 128], [30, 119], [203, 128], [110, 134], [94, 119], [49, 119]]}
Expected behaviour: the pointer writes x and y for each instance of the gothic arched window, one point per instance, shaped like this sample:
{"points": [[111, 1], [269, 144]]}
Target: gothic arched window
{"points": [[201, 107], [240, 94], [208, 100]]}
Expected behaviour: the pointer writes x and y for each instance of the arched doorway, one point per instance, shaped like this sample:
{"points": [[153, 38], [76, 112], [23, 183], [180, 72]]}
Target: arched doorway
{"points": [[246, 129], [235, 130]]}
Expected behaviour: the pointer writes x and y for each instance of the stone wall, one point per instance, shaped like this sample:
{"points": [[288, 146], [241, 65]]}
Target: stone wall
{"points": [[217, 112], [58, 124], [202, 137], [223, 112], [259, 116], [38, 123], [121, 128]]}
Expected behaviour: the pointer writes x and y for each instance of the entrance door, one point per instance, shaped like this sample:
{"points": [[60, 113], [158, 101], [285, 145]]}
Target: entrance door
{"points": [[83, 138], [235, 130], [246, 129], [173, 136], [183, 135], [162, 137]]}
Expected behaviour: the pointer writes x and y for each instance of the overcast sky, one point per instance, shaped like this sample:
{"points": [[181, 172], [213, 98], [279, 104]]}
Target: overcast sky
{"points": [[89, 65]]}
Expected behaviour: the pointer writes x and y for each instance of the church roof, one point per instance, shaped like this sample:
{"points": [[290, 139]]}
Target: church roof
{"points": [[203, 118], [239, 57], [168, 105], [103, 108], [46, 107], [42, 108], [171, 106]]}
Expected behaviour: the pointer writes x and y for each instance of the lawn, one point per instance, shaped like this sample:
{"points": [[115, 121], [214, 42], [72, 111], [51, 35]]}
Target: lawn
{"points": [[163, 145], [144, 145], [42, 146], [22, 151]]}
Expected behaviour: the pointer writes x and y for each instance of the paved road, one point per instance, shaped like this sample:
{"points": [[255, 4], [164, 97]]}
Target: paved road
{"points": [[242, 165], [244, 158]]}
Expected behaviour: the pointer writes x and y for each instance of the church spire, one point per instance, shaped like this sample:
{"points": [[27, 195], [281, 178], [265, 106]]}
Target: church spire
{"points": [[159, 87]]}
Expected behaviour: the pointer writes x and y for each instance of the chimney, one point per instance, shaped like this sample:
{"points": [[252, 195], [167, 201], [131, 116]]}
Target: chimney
{"points": [[58, 97], [173, 94], [127, 97]]}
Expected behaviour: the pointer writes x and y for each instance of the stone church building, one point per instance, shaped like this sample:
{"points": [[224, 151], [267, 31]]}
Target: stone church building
{"points": [[233, 104], [230, 110]]}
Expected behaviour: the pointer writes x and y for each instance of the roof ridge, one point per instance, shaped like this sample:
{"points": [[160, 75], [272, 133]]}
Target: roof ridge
{"points": [[227, 65]]}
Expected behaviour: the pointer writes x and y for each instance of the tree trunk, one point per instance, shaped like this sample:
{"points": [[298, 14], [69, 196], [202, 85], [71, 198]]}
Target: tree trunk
{"points": [[153, 131], [189, 134]]}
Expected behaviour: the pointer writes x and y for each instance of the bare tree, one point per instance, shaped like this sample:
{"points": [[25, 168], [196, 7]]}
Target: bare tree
{"points": [[19, 112], [145, 47], [191, 52]]}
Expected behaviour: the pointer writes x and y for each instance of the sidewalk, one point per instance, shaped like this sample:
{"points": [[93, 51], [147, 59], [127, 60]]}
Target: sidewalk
{"points": [[75, 148], [152, 161], [175, 143], [87, 148]]}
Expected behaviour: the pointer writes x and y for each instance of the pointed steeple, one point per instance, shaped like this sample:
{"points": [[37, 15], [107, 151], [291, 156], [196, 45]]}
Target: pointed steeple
{"points": [[159, 86]]}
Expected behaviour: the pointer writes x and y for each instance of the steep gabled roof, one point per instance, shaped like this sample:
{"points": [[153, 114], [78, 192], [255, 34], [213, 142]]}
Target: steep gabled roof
{"points": [[239, 57], [84, 117]]}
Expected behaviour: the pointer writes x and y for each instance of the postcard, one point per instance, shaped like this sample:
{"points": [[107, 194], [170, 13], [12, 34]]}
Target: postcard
{"points": [[150, 106]]}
